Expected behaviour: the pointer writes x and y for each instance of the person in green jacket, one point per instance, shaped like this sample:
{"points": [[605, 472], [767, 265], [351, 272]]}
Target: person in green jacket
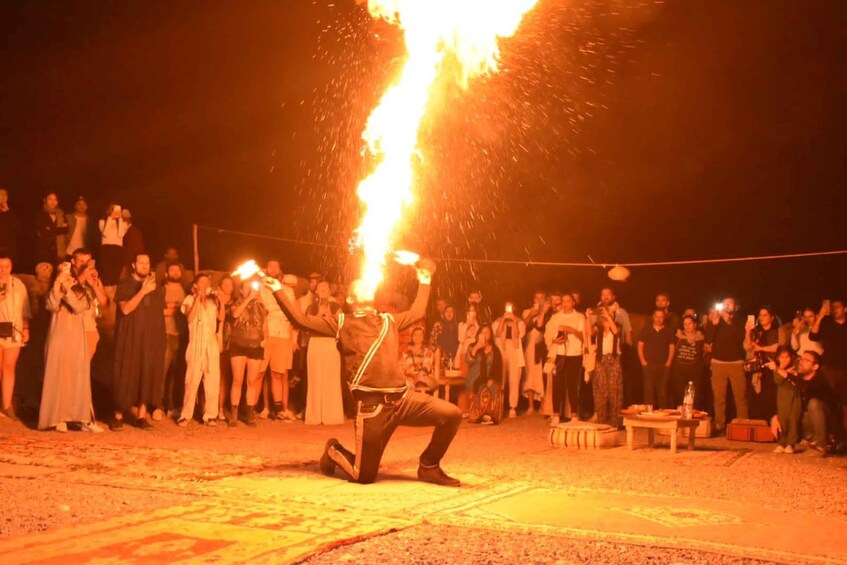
{"points": [[788, 402]]}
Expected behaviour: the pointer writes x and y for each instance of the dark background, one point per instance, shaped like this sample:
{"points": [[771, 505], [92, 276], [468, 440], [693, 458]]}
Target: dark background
{"points": [[620, 131]]}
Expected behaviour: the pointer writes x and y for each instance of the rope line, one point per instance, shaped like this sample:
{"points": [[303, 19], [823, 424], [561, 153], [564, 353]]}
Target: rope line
{"points": [[531, 263]]}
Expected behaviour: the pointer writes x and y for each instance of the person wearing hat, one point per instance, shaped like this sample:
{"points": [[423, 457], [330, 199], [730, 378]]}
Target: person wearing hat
{"points": [[279, 346], [79, 235]]}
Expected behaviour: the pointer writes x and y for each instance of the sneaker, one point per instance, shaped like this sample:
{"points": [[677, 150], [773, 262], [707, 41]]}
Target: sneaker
{"points": [[554, 421], [817, 451], [326, 463], [779, 449], [116, 425], [263, 414], [158, 415], [61, 427], [436, 476], [513, 413], [789, 450], [182, 422], [173, 414], [144, 424], [212, 423], [92, 427]]}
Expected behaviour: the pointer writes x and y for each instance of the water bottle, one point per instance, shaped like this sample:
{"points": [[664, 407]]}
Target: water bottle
{"points": [[688, 402]]}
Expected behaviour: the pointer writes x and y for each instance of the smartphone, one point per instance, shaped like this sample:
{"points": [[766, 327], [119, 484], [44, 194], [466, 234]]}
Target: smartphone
{"points": [[751, 319], [509, 308], [65, 268], [255, 285], [719, 306]]}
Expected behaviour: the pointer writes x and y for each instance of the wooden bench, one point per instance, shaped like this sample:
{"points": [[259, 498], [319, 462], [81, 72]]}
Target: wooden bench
{"points": [[659, 423]]}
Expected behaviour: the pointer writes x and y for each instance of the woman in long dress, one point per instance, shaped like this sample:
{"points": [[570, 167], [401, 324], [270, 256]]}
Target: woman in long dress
{"points": [[324, 401], [66, 395]]}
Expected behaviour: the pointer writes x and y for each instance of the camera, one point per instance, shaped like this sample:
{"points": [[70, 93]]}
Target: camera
{"points": [[754, 365]]}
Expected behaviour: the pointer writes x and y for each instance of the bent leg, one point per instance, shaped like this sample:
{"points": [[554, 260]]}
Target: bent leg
{"points": [[420, 410], [374, 426]]}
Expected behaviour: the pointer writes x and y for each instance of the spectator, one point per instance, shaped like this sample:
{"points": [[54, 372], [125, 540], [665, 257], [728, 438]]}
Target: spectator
{"points": [[609, 301], [78, 227], [485, 376], [324, 400], [133, 241], [802, 328], [608, 374], [139, 344], [830, 330], [50, 231], [663, 303], [279, 347], [509, 331], [483, 313], [565, 337], [468, 334], [204, 311], [176, 331], [417, 363], [761, 341], [821, 410], [82, 268], [688, 364], [445, 336], [10, 227], [535, 320], [170, 257], [788, 402], [66, 394], [112, 230], [656, 351], [14, 331], [246, 350], [547, 402], [725, 334], [226, 286]]}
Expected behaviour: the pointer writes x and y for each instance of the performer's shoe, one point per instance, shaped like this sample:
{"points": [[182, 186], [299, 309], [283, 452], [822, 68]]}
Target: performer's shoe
{"points": [[326, 463], [436, 476]]}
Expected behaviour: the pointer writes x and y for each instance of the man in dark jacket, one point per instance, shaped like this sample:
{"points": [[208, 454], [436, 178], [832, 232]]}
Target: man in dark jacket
{"points": [[725, 334]]}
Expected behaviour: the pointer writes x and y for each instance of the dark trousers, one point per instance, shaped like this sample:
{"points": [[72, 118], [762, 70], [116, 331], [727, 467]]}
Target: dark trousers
{"points": [[821, 419], [655, 384], [376, 422], [566, 381]]}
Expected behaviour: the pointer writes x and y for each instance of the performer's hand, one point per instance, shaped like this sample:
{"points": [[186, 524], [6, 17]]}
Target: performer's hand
{"points": [[426, 268], [273, 284]]}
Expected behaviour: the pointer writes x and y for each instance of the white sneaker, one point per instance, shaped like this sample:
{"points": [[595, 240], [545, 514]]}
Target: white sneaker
{"points": [[61, 427], [92, 427], [779, 449], [789, 450], [513, 413], [263, 414], [158, 415], [554, 421]]}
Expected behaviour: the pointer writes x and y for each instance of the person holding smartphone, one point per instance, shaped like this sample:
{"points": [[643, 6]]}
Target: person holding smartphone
{"points": [[761, 340], [830, 330], [510, 331], [565, 336], [725, 335], [246, 351]]}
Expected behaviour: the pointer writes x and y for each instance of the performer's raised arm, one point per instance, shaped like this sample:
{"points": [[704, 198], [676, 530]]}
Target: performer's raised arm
{"points": [[426, 268], [323, 326]]}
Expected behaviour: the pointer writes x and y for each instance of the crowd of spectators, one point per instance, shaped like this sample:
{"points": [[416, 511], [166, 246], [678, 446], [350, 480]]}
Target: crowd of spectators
{"points": [[209, 348]]}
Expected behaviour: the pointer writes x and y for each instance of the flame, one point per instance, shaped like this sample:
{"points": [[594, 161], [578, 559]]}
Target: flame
{"points": [[466, 31], [247, 270], [406, 257]]}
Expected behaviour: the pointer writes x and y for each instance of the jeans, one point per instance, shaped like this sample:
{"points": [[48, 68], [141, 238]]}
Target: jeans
{"points": [[566, 382], [376, 422], [819, 420], [656, 384]]}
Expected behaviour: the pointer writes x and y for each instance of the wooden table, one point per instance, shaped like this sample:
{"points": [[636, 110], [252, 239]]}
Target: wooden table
{"points": [[651, 423], [449, 378]]}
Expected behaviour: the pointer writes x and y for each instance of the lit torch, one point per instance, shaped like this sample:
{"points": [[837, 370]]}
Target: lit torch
{"points": [[248, 270], [467, 32]]}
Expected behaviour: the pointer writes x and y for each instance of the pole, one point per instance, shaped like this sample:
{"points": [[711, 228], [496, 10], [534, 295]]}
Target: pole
{"points": [[196, 249]]}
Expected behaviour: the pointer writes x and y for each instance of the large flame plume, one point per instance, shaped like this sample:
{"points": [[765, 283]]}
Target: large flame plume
{"points": [[465, 31]]}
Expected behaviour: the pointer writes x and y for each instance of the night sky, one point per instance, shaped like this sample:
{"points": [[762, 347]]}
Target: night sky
{"points": [[623, 131]]}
